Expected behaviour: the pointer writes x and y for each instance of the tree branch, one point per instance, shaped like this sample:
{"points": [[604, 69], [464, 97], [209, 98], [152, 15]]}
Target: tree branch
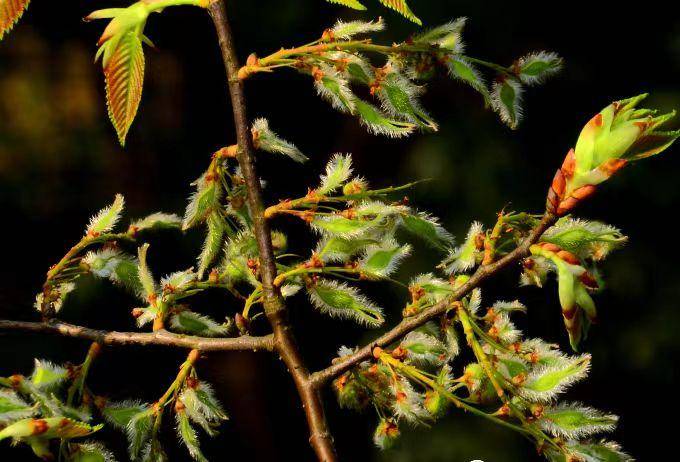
{"points": [[160, 338], [345, 363], [284, 342]]}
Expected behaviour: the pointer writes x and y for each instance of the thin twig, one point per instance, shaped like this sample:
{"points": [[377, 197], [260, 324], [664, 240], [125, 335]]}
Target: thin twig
{"points": [[407, 325], [275, 310], [160, 338]]}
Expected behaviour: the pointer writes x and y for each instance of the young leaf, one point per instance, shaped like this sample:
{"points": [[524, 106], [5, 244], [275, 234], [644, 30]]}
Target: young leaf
{"points": [[48, 376], [338, 249], [338, 171], [342, 301], [430, 287], [124, 74], [266, 140], [10, 12], [428, 229], [603, 451], [461, 69], [346, 30], [447, 36], [386, 434], [217, 227], [154, 221], [378, 123], [544, 383], [575, 421], [90, 452], [13, 407], [106, 219], [466, 256], [116, 266], [196, 324], [384, 258], [585, 239], [423, 348], [204, 200], [506, 100], [399, 98], [121, 413], [334, 88], [188, 436], [354, 4], [138, 432], [401, 7], [202, 407], [145, 276], [534, 68]]}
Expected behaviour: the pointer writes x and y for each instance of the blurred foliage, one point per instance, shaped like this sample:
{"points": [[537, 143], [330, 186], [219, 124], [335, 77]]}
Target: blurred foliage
{"points": [[59, 162]]}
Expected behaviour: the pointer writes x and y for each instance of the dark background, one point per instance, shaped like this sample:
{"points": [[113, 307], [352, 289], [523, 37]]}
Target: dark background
{"points": [[59, 163]]}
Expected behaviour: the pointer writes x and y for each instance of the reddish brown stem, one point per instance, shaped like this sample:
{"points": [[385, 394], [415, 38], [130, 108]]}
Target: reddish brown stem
{"points": [[284, 342]]}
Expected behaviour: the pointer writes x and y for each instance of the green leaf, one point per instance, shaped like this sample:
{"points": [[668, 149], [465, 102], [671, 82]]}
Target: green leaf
{"points": [[535, 67], [145, 277], [202, 202], [196, 324], [354, 4], [13, 407], [202, 407], [138, 432], [116, 266], [338, 171], [90, 452], [188, 436], [575, 421], [337, 225], [342, 301], [465, 257], [544, 383], [338, 249], [347, 30], [428, 229], [384, 258], [334, 88], [214, 240], [461, 69], [10, 12], [106, 219], [120, 414], [651, 144], [386, 433], [585, 239], [401, 7], [423, 348], [506, 98], [378, 123], [156, 221], [399, 97], [447, 36], [266, 140], [48, 376], [603, 451]]}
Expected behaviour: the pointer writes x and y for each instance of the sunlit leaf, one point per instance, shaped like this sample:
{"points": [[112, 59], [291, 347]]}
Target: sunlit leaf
{"points": [[506, 99], [342, 301], [106, 219], [354, 4], [196, 324], [187, 435], [10, 13], [575, 421], [401, 7]]}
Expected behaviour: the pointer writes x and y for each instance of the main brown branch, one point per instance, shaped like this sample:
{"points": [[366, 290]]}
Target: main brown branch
{"points": [[407, 325], [159, 338], [275, 310]]}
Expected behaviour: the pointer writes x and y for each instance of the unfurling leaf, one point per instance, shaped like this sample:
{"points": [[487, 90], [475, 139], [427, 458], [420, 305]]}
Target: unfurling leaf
{"points": [[461, 69], [423, 348], [602, 451], [468, 255], [585, 239], [574, 421], [386, 434], [214, 240], [334, 88], [120, 268], [124, 74], [138, 431], [10, 13], [342, 301], [346, 30], [384, 258], [145, 277], [196, 324], [13, 407], [338, 249], [203, 201], [506, 100], [399, 97], [338, 171], [266, 140], [157, 220], [544, 383], [187, 434], [378, 123], [90, 452], [428, 229], [401, 7], [202, 407], [48, 376], [534, 68], [121, 413], [106, 218]]}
